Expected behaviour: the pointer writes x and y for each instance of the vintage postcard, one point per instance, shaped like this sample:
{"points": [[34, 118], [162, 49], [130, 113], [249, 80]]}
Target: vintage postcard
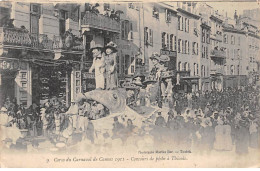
{"points": [[129, 84]]}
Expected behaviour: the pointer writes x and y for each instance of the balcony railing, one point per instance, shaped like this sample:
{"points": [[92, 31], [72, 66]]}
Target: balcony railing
{"points": [[68, 43], [218, 54], [217, 70], [101, 22], [22, 38], [184, 73]]}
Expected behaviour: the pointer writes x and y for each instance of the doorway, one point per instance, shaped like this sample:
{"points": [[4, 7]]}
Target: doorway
{"points": [[7, 86]]}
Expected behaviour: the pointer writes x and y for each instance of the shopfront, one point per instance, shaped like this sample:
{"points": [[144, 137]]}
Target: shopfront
{"points": [[49, 81], [205, 84]]}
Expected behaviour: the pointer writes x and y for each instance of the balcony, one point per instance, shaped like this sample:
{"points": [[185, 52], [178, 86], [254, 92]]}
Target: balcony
{"points": [[69, 42], [101, 22], [219, 54], [183, 73], [217, 71], [19, 39]]}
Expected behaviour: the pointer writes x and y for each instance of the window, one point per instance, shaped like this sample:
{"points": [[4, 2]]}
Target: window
{"points": [[207, 56], [179, 22], [208, 37], [145, 35], [132, 69], [179, 66], [225, 38], [238, 70], [197, 69], [125, 29], [156, 12], [175, 43], [151, 37], [188, 48], [167, 16], [167, 41], [182, 23], [62, 21], [195, 30], [197, 48], [194, 69], [179, 46], [171, 42], [127, 64], [231, 70], [34, 18], [239, 53], [202, 53], [202, 69], [183, 46], [163, 40], [185, 25], [193, 48], [131, 33], [203, 36], [188, 25], [131, 5], [238, 40], [232, 40]]}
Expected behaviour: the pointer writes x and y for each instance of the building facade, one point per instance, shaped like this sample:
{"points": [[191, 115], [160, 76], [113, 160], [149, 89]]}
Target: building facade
{"points": [[50, 42], [39, 59]]}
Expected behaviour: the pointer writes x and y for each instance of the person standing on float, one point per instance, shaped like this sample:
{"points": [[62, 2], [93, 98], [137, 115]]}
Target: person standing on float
{"points": [[99, 66], [110, 65]]}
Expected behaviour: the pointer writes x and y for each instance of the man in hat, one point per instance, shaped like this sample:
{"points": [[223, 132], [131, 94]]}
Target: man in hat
{"points": [[110, 65], [99, 66], [155, 58]]}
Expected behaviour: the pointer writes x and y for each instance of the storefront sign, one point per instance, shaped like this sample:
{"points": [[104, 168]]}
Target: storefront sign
{"points": [[9, 65], [168, 52]]}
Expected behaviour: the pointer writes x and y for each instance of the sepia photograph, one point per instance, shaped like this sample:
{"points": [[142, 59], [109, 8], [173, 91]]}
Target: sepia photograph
{"points": [[129, 84]]}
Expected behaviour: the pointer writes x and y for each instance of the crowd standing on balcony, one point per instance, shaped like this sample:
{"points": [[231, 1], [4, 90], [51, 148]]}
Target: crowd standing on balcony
{"points": [[115, 15]]}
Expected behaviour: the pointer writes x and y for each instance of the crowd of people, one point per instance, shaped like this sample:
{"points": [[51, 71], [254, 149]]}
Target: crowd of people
{"points": [[201, 121], [215, 120], [93, 8]]}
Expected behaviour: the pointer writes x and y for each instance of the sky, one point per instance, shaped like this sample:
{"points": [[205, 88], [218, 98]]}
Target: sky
{"points": [[230, 7]]}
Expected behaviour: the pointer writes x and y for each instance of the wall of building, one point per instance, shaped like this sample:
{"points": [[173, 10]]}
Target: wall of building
{"points": [[20, 13]]}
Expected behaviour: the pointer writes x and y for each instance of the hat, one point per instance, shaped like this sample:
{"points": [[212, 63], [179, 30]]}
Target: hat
{"points": [[111, 45], [3, 109], [149, 80], [138, 74], [97, 47], [164, 58], [155, 55]]}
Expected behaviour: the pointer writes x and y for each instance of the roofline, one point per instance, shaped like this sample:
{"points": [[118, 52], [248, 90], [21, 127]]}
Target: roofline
{"points": [[188, 13], [170, 7], [213, 17], [228, 29]]}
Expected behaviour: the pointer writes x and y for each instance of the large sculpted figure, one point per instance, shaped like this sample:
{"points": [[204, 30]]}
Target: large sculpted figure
{"points": [[99, 66], [110, 65]]}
